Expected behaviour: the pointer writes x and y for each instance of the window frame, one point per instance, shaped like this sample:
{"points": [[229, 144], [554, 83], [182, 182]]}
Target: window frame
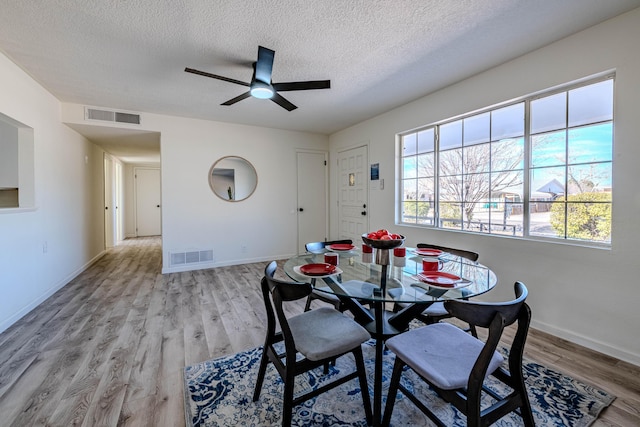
{"points": [[527, 168]]}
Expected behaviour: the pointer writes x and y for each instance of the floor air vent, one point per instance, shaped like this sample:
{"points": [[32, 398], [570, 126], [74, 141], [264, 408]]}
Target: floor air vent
{"points": [[191, 257], [111, 116]]}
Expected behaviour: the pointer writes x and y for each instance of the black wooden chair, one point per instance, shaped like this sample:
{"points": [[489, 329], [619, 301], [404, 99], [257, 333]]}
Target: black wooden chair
{"points": [[436, 311], [319, 336], [318, 247], [455, 364]]}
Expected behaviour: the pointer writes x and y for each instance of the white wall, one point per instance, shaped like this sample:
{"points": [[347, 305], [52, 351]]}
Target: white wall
{"points": [[42, 248], [194, 218], [589, 296], [260, 228]]}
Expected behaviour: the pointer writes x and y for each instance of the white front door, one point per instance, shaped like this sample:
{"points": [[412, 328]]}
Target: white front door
{"points": [[148, 207], [353, 193], [312, 197]]}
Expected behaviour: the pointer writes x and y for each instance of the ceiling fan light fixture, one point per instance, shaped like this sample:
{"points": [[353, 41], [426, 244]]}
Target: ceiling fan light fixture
{"points": [[261, 90]]}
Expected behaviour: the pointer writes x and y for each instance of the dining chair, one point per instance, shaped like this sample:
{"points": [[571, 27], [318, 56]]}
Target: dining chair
{"points": [[455, 364], [436, 311], [316, 247], [319, 336]]}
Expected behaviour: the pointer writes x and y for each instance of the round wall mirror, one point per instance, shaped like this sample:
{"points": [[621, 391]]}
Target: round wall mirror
{"points": [[233, 178]]}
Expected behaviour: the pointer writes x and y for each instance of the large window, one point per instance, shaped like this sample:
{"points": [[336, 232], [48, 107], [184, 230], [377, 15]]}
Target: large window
{"points": [[540, 167]]}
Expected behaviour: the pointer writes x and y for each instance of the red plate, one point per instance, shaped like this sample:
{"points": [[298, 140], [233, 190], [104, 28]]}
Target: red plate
{"points": [[341, 247], [428, 252], [317, 269], [439, 278]]}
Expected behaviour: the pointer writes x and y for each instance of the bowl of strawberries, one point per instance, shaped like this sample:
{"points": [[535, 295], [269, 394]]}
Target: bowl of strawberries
{"points": [[382, 239]]}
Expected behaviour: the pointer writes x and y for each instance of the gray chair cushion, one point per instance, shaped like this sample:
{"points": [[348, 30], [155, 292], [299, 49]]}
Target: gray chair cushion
{"points": [[436, 309], [441, 353], [325, 332]]}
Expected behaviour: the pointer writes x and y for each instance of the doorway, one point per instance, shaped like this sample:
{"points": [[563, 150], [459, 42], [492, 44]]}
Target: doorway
{"points": [[147, 197], [312, 197], [353, 193]]}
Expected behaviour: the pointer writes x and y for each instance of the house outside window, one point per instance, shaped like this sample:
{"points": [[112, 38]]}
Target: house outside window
{"points": [[538, 168]]}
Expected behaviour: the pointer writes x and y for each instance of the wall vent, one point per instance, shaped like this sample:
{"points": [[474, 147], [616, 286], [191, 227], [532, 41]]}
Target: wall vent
{"points": [[190, 257], [111, 116]]}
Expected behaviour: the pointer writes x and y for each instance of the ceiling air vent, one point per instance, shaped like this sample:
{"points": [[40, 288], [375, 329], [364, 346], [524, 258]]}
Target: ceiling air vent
{"points": [[111, 116]]}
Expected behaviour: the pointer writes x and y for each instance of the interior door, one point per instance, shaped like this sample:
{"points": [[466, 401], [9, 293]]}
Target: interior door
{"points": [[148, 206], [312, 197], [109, 211], [353, 198]]}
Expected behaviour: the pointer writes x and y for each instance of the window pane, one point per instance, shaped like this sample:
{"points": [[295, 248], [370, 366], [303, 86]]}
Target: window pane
{"points": [[409, 167], [426, 165], [451, 162], [549, 113], [451, 215], [451, 135], [409, 189], [451, 188], [591, 104], [426, 141], [475, 187], [507, 154], [549, 181], [507, 185], [546, 219], [425, 190], [589, 221], [507, 122], [548, 149], [409, 144], [476, 129], [477, 158], [409, 212], [425, 213], [591, 143], [587, 180]]}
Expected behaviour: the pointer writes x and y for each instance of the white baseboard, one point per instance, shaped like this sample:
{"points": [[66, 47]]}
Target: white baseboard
{"points": [[42, 298], [587, 342]]}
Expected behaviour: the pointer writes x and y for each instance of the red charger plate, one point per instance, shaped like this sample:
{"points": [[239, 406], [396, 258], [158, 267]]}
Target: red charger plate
{"points": [[341, 247], [439, 278], [428, 252], [317, 269]]}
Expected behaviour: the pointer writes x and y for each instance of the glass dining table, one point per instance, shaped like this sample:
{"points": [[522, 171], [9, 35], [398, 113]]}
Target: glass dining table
{"points": [[368, 284]]}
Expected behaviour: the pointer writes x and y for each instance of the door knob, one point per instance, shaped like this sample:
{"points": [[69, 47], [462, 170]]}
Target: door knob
{"points": [[300, 209], [364, 206], [363, 213]]}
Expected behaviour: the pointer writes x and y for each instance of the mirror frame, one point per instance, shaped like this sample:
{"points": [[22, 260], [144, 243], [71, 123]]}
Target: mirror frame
{"points": [[223, 196]]}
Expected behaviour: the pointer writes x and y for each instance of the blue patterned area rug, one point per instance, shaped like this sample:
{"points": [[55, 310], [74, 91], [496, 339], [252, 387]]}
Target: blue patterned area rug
{"points": [[219, 393]]}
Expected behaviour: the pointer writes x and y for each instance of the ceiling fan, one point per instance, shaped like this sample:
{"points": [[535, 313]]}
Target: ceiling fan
{"points": [[261, 85]]}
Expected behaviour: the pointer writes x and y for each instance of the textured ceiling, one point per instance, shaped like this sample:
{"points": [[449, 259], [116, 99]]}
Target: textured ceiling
{"points": [[378, 54]]}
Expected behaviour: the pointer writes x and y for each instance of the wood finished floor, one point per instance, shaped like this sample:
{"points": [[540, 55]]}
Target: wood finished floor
{"points": [[109, 348]]}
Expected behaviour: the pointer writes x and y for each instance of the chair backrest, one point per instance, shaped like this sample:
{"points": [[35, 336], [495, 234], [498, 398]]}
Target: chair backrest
{"points": [[319, 246], [473, 256], [495, 317], [275, 292]]}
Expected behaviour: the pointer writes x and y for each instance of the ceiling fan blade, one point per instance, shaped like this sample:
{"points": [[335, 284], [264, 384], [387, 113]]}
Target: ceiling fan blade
{"points": [[237, 98], [215, 76], [264, 65], [314, 84], [281, 101]]}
